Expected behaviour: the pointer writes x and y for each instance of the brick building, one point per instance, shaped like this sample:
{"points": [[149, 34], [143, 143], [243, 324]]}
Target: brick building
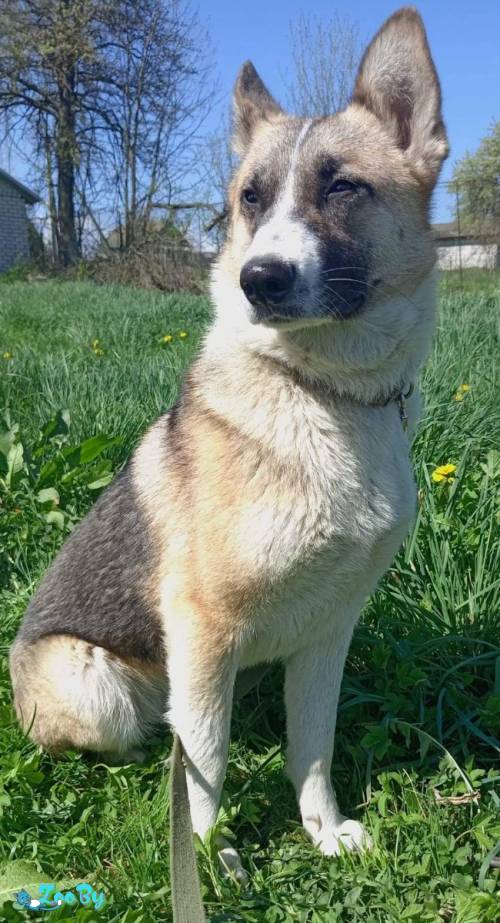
{"points": [[14, 197]]}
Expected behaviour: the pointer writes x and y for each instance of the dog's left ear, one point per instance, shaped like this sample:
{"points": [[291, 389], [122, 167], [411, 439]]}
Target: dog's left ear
{"points": [[252, 104], [397, 81]]}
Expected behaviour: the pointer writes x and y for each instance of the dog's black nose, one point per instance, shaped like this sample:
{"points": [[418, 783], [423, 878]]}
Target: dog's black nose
{"points": [[267, 282]]}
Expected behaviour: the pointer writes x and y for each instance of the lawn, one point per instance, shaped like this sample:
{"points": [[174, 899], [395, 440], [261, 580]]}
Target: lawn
{"points": [[418, 746]]}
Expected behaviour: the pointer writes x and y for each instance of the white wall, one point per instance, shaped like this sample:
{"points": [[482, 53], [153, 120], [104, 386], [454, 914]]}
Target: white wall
{"points": [[480, 256]]}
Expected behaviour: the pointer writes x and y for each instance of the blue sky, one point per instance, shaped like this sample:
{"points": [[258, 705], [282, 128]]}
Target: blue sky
{"points": [[464, 38]]}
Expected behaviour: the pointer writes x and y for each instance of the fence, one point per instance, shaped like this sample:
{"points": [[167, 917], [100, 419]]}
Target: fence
{"points": [[467, 233]]}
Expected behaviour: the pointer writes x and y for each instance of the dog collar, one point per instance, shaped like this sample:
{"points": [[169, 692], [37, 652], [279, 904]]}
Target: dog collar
{"points": [[400, 396]]}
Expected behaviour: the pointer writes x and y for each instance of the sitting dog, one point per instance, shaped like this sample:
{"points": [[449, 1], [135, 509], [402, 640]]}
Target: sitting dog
{"points": [[256, 516]]}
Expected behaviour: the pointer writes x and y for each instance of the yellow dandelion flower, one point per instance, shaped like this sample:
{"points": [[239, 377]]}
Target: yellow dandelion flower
{"points": [[443, 472], [95, 344], [167, 338], [183, 334], [8, 355], [462, 391], [98, 351]]}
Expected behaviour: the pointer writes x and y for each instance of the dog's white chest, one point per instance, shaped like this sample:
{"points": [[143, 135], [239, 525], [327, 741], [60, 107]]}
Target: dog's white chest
{"points": [[325, 547]]}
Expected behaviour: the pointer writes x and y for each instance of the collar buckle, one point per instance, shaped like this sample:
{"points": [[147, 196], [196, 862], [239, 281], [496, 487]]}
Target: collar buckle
{"points": [[401, 399]]}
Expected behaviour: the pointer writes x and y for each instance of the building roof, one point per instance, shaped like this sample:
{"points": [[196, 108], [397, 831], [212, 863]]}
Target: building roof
{"points": [[448, 231], [29, 197]]}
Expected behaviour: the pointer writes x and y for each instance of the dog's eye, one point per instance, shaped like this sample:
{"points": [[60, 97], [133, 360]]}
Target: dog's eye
{"points": [[339, 186], [250, 196]]}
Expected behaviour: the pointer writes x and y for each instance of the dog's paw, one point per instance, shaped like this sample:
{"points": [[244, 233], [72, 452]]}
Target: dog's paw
{"points": [[230, 862], [349, 834]]}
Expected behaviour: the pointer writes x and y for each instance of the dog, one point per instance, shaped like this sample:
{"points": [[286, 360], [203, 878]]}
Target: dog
{"points": [[257, 515]]}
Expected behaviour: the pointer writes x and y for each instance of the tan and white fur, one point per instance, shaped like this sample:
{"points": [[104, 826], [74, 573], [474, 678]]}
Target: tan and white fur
{"points": [[255, 517]]}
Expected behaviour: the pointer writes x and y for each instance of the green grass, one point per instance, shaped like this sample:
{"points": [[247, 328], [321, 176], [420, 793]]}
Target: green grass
{"points": [[419, 717]]}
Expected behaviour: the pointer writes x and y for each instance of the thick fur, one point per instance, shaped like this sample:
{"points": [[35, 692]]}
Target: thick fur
{"points": [[258, 514]]}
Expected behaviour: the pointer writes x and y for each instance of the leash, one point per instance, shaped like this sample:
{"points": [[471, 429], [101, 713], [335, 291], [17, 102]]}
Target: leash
{"points": [[187, 905]]}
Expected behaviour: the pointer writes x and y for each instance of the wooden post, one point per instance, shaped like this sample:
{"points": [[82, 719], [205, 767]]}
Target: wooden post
{"points": [[460, 267]]}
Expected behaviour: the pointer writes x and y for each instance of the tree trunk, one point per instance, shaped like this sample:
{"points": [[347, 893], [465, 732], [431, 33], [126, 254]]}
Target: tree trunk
{"points": [[66, 148], [51, 194]]}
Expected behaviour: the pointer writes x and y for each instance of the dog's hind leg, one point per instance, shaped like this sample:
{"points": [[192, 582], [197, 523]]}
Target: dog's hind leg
{"points": [[70, 694]]}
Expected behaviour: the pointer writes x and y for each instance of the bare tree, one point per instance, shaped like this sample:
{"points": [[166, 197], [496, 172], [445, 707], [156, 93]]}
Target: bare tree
{"points": [[110, 94], [220, 163], [160, 92], [325, 57], [41, 45]]}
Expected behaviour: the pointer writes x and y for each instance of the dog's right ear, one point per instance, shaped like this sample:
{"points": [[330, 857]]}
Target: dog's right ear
{"points": [[252, 103]]}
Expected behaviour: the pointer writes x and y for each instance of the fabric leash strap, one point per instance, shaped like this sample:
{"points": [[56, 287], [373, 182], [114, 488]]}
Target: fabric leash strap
{"points": [[187, 905], [186, 892]]}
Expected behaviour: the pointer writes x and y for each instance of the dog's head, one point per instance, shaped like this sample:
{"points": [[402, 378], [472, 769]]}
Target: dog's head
{"points": [[329, 216]]}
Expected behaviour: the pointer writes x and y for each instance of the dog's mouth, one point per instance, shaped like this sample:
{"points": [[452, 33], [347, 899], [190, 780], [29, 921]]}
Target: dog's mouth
{"points": [[310, 310], [342, 307]]}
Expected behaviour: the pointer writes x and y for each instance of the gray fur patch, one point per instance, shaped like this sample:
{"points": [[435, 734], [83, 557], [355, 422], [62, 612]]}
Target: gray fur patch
{"points": [[96, 587]]}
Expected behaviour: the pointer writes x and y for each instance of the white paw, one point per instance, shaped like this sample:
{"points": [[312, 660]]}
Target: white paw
{"points": [[349, 834], [231, 863]]}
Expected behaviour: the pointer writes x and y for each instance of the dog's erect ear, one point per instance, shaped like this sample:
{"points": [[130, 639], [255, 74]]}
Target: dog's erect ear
{"points": [[252, 103], [397, 81]]}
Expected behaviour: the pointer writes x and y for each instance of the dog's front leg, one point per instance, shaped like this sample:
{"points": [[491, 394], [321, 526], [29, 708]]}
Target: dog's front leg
{"points": [[202, 671], [312, 686]]}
